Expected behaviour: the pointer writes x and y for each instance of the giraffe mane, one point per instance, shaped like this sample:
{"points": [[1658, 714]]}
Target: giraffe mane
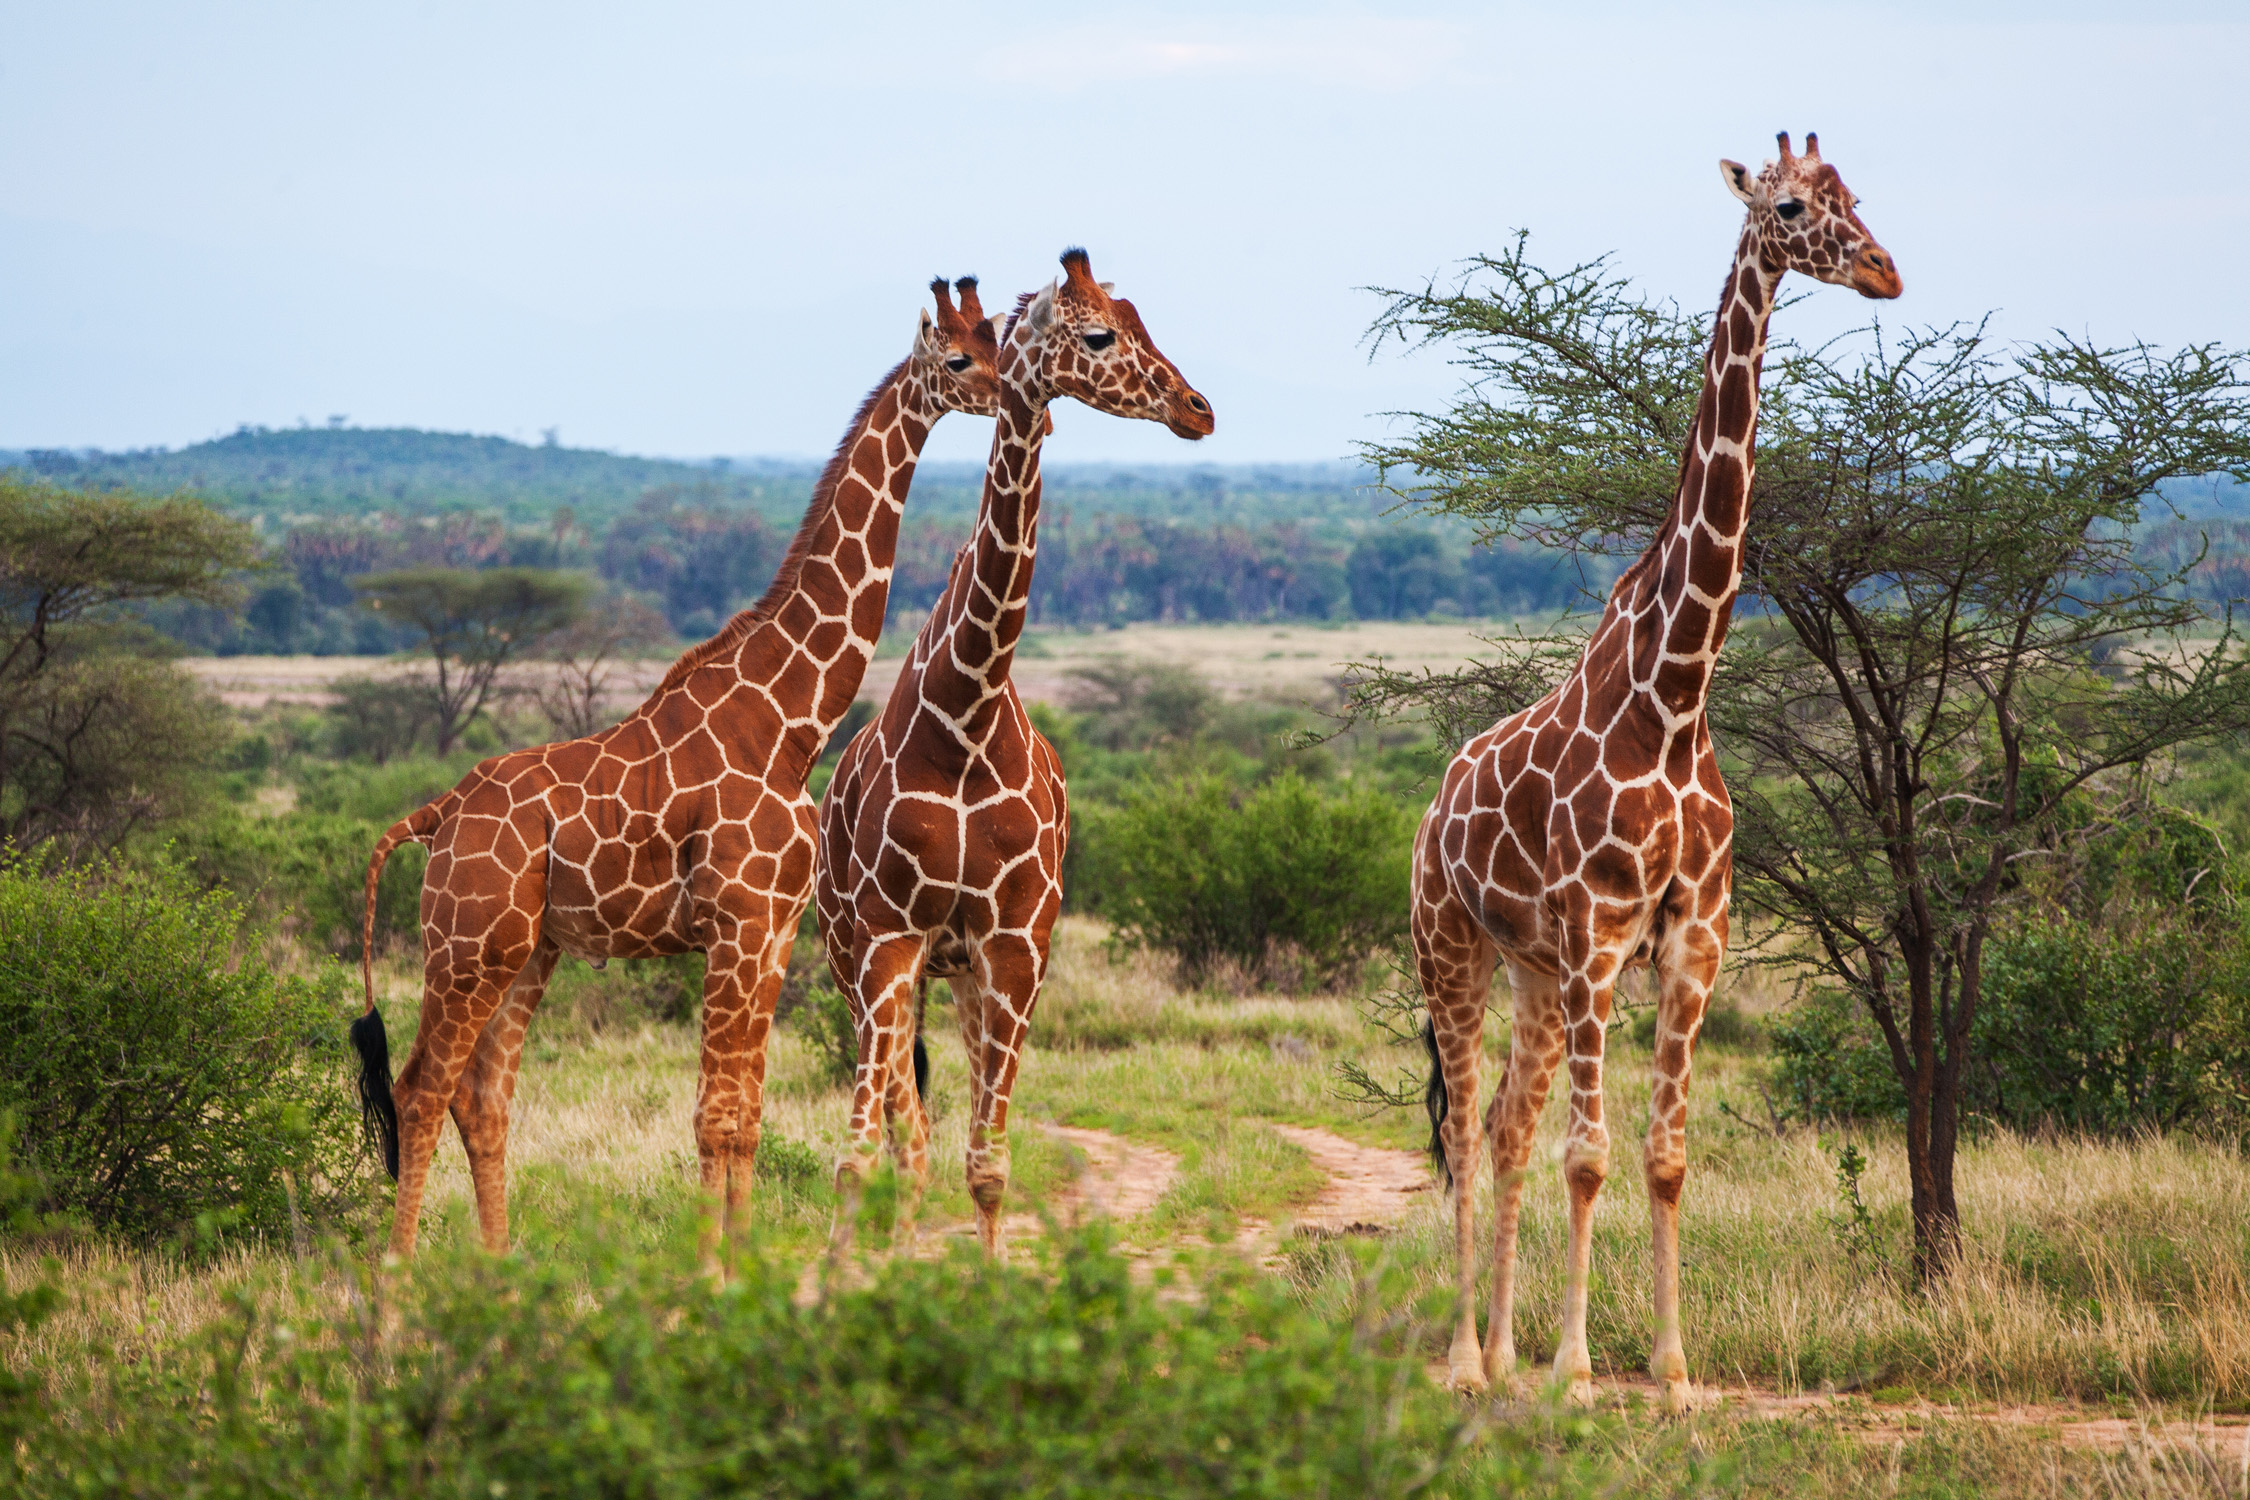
{"points": [[792, 568], [1023, 300]]}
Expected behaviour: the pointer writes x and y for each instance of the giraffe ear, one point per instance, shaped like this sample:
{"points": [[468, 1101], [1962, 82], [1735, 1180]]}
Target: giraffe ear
{"points": [[925, 331], [1041, 314], [1109, 288], [1739, 181]]}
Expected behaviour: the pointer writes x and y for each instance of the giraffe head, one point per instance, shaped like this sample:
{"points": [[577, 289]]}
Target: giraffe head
{"points": [[1807, 221], [1072, 338], [958, 353]]}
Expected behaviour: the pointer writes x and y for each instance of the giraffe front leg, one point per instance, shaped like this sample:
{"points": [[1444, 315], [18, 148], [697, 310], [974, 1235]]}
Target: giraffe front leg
{"points": [[488, 1087], [741, 981], [1535, 1047], [1006, 970], [1585, 1165], [881, 995], [1687, 965]]}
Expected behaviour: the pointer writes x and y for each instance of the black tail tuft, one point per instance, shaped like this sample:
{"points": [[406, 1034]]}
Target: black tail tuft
{"points": [[375, 1102], [921, 1053], [1434, 1099]]}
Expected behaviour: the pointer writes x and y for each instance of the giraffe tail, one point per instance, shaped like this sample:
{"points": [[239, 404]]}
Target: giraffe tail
{"points": [[1436, 1101], [921, 1053], [378, 1109]]}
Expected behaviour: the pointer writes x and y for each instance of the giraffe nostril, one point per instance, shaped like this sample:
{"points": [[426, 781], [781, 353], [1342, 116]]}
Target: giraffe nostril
{"points": [[1197, 404]]}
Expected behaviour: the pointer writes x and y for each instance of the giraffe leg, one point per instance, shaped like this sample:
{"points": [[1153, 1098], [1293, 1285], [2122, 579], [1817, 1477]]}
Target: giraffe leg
{"points": [[1586, 995], [1687, 962], [1002, 986], [1453, 960], [741, 982], [882, 1000], [457, 1005], [1535, 1046], [488, 1087], [909, 1135]]}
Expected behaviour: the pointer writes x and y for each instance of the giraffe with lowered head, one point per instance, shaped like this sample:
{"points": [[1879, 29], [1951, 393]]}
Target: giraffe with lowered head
{"points": [[942, 834], [685, 827], [1591, 833]]}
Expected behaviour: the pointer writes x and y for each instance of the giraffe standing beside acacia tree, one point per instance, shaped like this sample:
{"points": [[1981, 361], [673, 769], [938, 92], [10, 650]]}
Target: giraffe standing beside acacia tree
{"points": [[1591, 832], [941, 838], [685, 827]]}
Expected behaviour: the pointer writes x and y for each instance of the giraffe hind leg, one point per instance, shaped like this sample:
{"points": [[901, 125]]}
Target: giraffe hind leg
{"points": [[487, 1088], [1535, 1047], [1453, 959]]}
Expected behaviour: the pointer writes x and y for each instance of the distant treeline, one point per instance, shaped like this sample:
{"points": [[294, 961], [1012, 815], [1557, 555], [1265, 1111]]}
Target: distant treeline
{"points": [[1119, 544], [699, 562]]}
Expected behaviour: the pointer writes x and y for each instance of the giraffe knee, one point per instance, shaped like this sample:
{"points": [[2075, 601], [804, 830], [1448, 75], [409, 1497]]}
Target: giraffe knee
{"points": [[1585, 1169], [1665, 1167]]}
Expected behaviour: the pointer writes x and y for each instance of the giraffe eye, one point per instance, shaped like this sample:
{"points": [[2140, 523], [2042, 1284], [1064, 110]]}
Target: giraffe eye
{"points": [[958, 363], [1098, 339], [1789, 208]]}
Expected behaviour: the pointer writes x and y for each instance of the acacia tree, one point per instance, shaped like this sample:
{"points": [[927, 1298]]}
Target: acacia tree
{"points": [[97, 732], [586, 655], [1944, 637], [474, 622]]}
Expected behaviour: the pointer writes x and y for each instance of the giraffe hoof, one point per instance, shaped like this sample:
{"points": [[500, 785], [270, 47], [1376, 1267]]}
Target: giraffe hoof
{"points": [[1578, 1391], [1466, 1375], [1678, 1397]]}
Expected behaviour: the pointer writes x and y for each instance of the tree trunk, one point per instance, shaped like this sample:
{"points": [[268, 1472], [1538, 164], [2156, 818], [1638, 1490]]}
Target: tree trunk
{"points": [[1933, 1099]]}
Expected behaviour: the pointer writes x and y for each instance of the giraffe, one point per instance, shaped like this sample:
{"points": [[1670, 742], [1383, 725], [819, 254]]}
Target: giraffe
{"points": [[1591, 832], [684, 827], [942, 834]]}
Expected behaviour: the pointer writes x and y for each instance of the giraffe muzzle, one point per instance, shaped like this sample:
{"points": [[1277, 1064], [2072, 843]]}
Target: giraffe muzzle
{"points": [[1875, 274], [1189, 416]]}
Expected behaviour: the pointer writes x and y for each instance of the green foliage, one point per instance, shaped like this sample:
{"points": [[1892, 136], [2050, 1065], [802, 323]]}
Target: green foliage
{"points": [[306, 871], [98, 734], [473, 622], [956, 1379], [1287, 881], [623, 993], [378, 718], [818, 1011], [2106, 1029], [159, 1070], [1853, 1225]]}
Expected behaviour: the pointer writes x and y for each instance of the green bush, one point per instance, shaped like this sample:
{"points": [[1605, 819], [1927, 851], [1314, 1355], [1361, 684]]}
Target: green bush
{"points": [[158, 1071], [1288, 881], [306, 871], [2112, 1029], [634, 1377]]}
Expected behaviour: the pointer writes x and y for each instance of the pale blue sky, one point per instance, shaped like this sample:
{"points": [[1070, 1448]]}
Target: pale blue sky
{"points": [[699, 228]]}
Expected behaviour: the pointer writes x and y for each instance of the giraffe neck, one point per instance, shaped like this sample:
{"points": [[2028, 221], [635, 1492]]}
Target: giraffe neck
{"points": [[1689, 577], [806, 643], [968, 649]]}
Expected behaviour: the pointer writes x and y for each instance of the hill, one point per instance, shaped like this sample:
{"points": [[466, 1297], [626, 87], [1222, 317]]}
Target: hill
{"points": [[292, 475], [315, 472]]}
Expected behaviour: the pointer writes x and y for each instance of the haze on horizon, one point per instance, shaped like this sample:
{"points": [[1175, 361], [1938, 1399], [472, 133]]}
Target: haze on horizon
{"points": [[696, 229]]}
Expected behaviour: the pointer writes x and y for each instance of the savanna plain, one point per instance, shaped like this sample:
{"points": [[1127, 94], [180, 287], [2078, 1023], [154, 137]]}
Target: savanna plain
{"points": [[1228, 1269]]}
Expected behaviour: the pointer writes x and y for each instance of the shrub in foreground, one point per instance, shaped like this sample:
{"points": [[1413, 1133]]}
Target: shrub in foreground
{"points": [[156, 1069], [634, 1377], [1283, 873]]}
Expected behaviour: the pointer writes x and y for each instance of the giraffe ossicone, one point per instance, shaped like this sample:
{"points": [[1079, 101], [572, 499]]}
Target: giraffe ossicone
{"points": [[942, 833], [684, 827], [1591, 833]]}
